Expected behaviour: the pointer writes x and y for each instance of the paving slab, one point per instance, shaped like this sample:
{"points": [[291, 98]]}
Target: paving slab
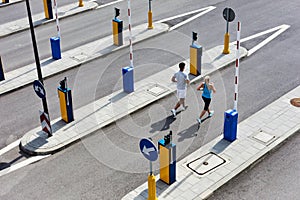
{"points": [[239, 154]]}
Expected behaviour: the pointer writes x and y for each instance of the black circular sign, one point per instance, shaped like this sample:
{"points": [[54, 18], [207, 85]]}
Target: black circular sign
{"points": [[228, 14]]}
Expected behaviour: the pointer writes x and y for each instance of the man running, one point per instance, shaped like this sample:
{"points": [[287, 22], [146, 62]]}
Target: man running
{"points": [[182, 80]]}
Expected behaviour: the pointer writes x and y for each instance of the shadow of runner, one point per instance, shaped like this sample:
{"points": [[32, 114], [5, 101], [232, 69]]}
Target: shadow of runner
{"points": [[163, 124], [188, 133]]}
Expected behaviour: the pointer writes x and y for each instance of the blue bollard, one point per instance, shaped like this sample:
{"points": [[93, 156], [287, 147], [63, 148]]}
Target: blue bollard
{"points": [[230, 125], [55, 47], [128, 82]]}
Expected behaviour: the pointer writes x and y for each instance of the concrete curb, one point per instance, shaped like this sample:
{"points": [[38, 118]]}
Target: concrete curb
{"points": [[88, 60]]}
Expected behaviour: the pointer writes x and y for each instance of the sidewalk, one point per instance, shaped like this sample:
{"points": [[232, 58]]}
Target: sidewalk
{"points": [[117, 105], [70, 59], [257, 135], [39, 19]]}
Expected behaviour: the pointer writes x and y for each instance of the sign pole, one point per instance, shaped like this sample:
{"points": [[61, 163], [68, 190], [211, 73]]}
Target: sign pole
{"points": [[36, 56], [150, 167], [229, 16], [149, 151]]}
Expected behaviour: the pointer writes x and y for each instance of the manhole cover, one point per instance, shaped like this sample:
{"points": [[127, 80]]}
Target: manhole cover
{"points": [[157, 90], [295, 102], [263, 137], [80, 57], [206, 163]]}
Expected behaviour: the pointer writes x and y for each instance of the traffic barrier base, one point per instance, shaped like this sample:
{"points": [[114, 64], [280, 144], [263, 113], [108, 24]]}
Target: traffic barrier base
{"points": [[167, 158], [230, 125], [195, 59], [128, 79], [55, 48], [66, 105], [117, 32]]}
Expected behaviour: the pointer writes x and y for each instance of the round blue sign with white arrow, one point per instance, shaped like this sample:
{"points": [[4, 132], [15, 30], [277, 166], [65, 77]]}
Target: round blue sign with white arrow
{"points": [[148, 149], [39, 89]]}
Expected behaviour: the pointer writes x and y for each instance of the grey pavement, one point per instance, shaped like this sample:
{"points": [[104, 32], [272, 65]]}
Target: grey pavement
{"points": [[108, 109], [39, 19], [201, 173], [73, 58]]}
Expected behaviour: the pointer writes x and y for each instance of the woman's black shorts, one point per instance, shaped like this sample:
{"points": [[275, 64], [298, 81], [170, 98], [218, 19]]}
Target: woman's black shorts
{"points": [[206, 102]]}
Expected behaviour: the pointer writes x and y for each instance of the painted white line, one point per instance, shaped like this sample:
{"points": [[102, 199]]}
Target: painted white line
{"points": [[109, 4], [279, 29], [10, 147], [184, 14], [202, 12], [22, 164]]}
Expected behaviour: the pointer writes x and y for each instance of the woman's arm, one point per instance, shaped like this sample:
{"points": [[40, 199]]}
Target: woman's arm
{"points": [[213, 88], [200, 86]]}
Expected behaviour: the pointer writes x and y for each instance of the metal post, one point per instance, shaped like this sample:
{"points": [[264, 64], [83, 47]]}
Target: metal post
{"points": [[80, 3], [151, 185], [150, 25], [227, 24], [36, 55], [151, 168], [226, 49]]}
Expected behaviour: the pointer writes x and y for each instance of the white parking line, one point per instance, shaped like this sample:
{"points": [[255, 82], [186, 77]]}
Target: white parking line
{"points": [[22, 164], [10, 147], [280, 29], [108, 4], [202, 12]]}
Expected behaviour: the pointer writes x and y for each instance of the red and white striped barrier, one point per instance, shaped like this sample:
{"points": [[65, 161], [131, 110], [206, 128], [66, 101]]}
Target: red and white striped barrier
{"points": [[130, 35], [56, 17], [46, 126], [237, 62]]}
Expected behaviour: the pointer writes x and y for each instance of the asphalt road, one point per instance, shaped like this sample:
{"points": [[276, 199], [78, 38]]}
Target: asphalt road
{"points": [[83, 171], [81, 29], [275, 177], [18, 10]]}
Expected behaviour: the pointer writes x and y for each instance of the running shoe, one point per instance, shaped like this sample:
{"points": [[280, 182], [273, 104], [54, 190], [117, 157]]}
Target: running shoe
{"points": [[173, 111]]}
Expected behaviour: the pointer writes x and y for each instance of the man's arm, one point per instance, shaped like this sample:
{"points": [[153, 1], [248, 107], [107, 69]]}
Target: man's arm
{"points": [[173, 79]]}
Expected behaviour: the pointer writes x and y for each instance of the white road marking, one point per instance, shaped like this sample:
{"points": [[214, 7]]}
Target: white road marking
{"points": [[202, 12], [10, 147], [108, 4], [279, 29], [22, 164]]}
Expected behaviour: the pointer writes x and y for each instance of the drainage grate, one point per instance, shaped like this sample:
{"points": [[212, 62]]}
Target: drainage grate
{"points": [[263, 137], [157, 90], [206, 163]]}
